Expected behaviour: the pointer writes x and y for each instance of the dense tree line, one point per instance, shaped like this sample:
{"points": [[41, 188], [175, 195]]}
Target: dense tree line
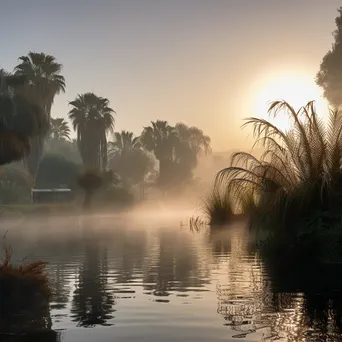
{"points": [[28, 134]]}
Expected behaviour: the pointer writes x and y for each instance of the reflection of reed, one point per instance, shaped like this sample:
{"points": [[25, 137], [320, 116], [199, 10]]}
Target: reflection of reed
{"points": [[240, 293], [249, 301], [305, 317]]}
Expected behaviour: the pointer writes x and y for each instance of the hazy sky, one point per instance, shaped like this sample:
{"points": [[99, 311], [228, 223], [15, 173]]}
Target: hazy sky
{"points": [[201, 62]]}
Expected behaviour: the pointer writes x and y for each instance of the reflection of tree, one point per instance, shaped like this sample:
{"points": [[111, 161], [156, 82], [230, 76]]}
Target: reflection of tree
{"points": [[173, 265], [129, 248], [93, 301]]}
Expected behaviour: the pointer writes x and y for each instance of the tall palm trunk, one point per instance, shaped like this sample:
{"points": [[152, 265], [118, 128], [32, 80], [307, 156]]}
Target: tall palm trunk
{"points": [[35, 156]]}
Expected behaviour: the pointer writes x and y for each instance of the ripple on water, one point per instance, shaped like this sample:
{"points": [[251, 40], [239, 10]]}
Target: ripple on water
{"points": [[125, 279]]}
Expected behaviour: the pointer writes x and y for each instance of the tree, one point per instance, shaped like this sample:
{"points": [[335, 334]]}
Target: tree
{"points": [[329, 76], [128, 158], [20, 120], [92, 118], [59, 129], [90, 181], [44, 82], [191, 143], [161, 138], [177, 149]]}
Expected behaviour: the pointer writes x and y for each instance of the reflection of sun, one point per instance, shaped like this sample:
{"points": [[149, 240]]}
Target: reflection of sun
{"points": [[296, 89]]}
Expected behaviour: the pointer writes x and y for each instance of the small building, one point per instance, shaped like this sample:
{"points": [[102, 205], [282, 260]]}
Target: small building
{"points": [[43, 196]]}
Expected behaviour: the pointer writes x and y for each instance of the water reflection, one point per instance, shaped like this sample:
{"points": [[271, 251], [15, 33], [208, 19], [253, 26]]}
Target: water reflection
{"points": [[280, 305], [93, 299], [173, 265], [117, 272]]}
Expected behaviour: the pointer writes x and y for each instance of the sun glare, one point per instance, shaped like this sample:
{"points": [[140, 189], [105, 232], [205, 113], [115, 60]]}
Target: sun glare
{"points": [[297, 90]]}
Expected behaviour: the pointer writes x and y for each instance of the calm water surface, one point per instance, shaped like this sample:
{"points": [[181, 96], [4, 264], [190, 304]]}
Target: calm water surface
{"points": [[147, 278]]}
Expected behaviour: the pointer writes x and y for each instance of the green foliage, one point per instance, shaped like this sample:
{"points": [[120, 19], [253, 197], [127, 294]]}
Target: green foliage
{"points": [[92, 118], [55, 171], [329, 76]]}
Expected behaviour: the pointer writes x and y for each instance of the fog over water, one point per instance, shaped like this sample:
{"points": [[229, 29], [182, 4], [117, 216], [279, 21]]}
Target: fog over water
{"points": [[144, 276]]}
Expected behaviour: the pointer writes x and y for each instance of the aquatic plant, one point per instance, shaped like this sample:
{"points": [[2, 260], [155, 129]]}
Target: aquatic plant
{"points": [[299, 171], [218, 207]]}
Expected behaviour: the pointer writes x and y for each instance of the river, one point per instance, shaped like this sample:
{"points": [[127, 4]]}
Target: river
{"points": [[148, 277]]}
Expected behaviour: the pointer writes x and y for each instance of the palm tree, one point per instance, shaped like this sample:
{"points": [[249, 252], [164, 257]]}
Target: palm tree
{"points": [[44, 82], [191, 143], [195, 138], [128, 158], [161, 138], [176, 148], [59, 129], [92, 118], [20, 120]]}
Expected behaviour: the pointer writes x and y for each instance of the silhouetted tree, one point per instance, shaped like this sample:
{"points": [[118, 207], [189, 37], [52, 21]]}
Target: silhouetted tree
{"points": [[329, 76], [20, 120], [176, 148], [92, 118], [90, 181], [59, 129], [44, 82], [128, 159]]}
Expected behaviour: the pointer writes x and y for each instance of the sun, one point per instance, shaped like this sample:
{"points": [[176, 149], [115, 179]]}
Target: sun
{"points": [[295, 88]]}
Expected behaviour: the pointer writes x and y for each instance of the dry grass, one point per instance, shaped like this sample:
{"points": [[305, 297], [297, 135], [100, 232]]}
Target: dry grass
{"points": [[21, 285]]}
